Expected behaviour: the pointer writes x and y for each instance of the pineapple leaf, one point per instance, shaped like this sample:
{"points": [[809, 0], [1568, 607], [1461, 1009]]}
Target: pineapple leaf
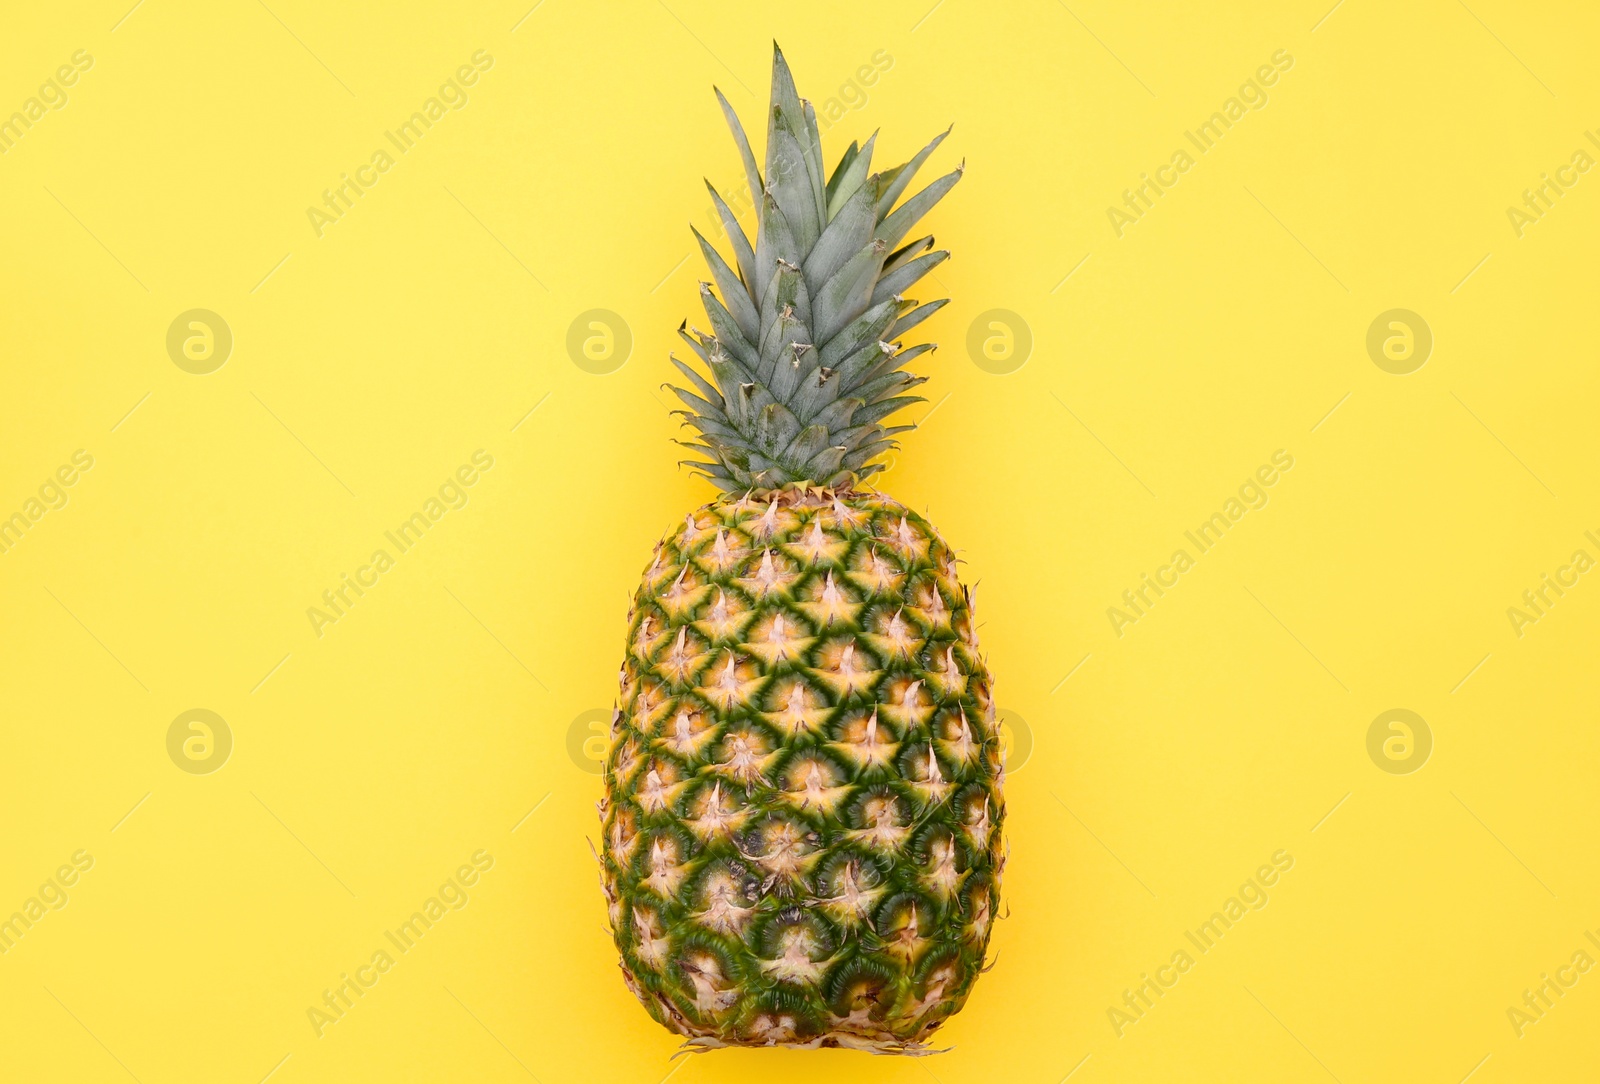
{"points": [[901, 278], [825, 466], [789, 177], [874, 390], [774, 241], [899, 223], [855, 369], [885, 407], [865, 329], [818, 388], [734, 295], [753, 400], [775, 428], [854, 437], [847, 293], [844, 237], [742, 251], [915, 317], [839, 171], [806, 312], [694, 344], [901, 255], [729, 337], [851, 178], [789, 180], [786, 300], [711, 429], [711, 473], [901, 176], [838, 414], [811, 440], [751, 173], [899, 360], [729, 375], [786, 331], [700, 407], [813, 150], [858, 458], [795, 362], [705, 387]]}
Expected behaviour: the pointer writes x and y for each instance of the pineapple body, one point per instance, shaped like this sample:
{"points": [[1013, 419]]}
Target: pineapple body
{"points": [[802, 819], [803, 806]]}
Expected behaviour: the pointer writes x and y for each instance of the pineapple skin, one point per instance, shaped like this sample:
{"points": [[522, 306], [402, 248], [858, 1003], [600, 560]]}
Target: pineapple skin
{"points": [[803, 797]]}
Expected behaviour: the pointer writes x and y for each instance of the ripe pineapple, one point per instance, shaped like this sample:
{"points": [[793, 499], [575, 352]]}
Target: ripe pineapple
{"points": [[803, 794]]}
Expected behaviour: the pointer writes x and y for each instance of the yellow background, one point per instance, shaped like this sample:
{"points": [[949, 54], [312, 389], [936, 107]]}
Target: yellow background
{"points": [[370, 362]]}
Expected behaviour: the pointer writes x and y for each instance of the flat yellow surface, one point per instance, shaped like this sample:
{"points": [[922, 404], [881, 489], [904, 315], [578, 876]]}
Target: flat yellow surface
{"points": [[218, 805]]}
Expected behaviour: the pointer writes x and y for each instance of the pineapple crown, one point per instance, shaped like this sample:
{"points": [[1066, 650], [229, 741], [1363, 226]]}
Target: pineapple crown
{"points": [[803, 355]]}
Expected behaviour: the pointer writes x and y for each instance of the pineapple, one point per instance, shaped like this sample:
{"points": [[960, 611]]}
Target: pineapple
{"points": [[802, 819]]}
